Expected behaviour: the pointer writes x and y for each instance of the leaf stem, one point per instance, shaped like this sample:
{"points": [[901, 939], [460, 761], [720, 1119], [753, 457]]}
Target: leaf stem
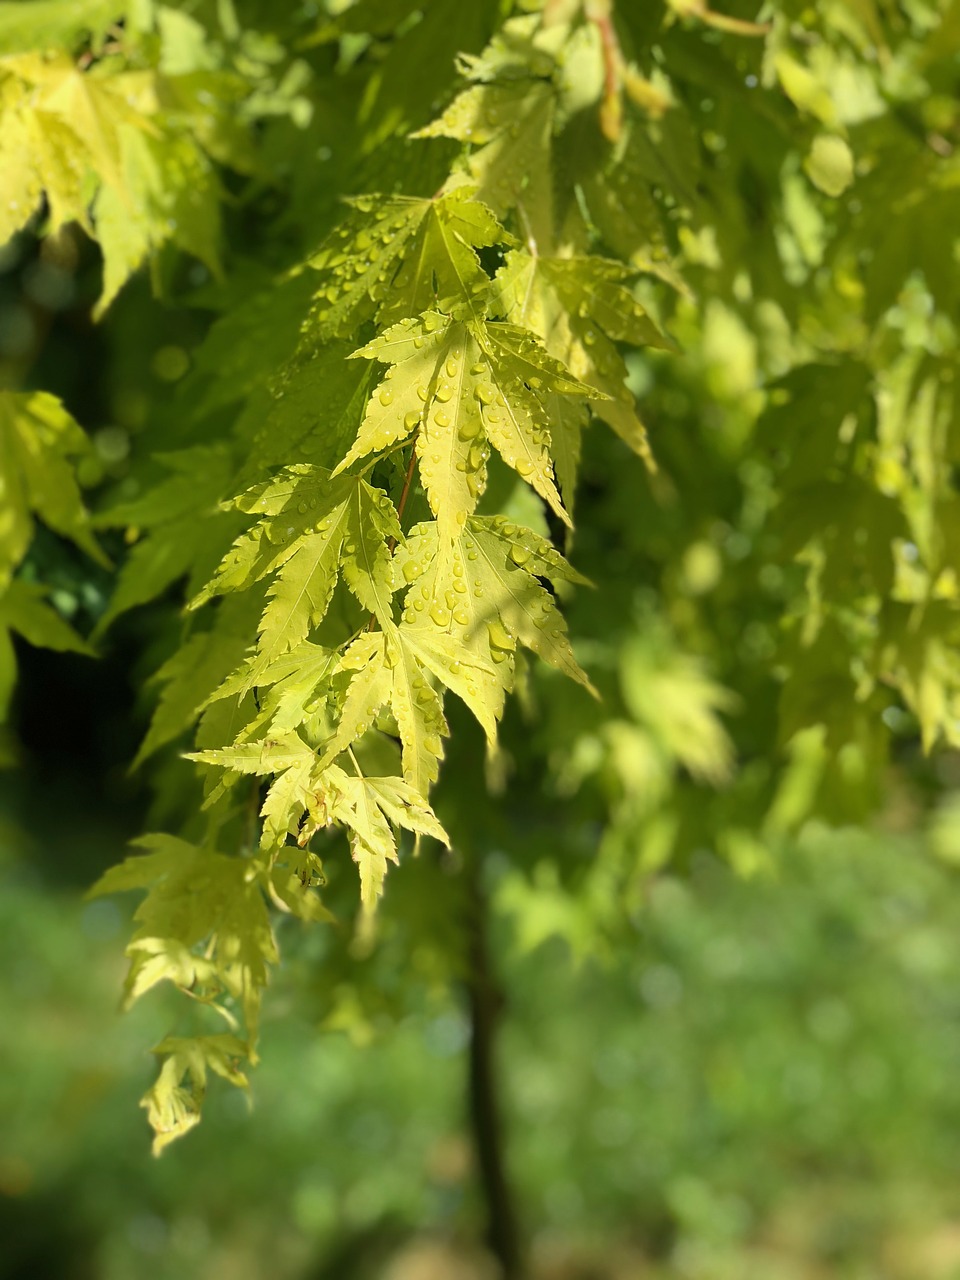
{"points": [[600, 13], [405, 492]]}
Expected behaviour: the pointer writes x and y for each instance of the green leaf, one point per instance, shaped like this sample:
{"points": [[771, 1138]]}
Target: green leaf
{"points": [[399, 257], [23, 609], [313, 528], [172, 1106], [582, 308], [386, 672], [37, 440], [829, 164], [203, 924], [167, 190], [54, 24], [509, 128], [368, 807], [193, 673], [459, 386], [480, 595]]}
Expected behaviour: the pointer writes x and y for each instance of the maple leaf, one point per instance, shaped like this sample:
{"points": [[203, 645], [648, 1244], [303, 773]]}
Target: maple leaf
{"points": [[461, 386], [192, 674], [313, 528], [177, 543], [203, 924], [172, 1106], [97, 145], [292, 688], [370, 808], [472, 599], [398, 257], [581, 308], [37, 439], [507, 119], [388, 672]]}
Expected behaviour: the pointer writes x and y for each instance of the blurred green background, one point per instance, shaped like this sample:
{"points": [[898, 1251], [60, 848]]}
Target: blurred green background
{"points": [[763, 1084]]}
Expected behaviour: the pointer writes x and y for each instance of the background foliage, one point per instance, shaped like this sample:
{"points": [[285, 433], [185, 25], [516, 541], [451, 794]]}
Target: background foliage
{"points": [[731, 238]]}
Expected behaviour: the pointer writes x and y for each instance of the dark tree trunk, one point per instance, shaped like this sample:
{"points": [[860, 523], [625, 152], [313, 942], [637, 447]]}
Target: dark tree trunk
{"points": [[486, 1122]]}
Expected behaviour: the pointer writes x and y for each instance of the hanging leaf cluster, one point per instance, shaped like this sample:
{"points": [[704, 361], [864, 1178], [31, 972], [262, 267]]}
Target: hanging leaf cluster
{"points": [[471, 240]]}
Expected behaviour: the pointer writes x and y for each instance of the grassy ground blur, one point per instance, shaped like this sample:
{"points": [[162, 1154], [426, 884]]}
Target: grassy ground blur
{"points": [[765, 1086]]}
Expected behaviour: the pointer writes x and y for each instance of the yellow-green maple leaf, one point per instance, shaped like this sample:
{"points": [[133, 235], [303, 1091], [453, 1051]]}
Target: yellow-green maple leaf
{"points": [[398, 257], [370, 808], [581, 308], [312, 530], [174, 1100], [459, 386], [203, 924], [482, 591], [387, 672]]}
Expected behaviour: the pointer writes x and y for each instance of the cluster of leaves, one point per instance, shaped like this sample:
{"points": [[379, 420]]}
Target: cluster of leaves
{"points": [[374, 462]]}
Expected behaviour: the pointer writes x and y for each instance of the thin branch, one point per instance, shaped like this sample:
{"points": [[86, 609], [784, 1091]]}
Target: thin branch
{"points": [[405, 491]]}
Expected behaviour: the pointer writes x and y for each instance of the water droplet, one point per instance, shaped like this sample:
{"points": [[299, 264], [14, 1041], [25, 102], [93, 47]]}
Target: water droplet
{"points": [[423, 393], [411, 570], [411, 420], [409, 617], [469, 428], [519, 554], [418, 341], [460, 616], [451, 367], [444, 392], [302, 508], [440, 615], [386, 396], [441, 419], [523, 467]]}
